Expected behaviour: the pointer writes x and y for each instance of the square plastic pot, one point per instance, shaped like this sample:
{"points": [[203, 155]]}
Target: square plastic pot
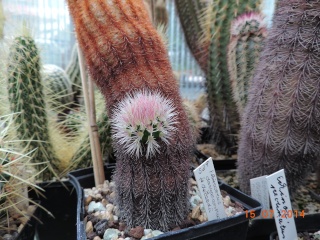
{"points": [[230, 228], [29, 230]]}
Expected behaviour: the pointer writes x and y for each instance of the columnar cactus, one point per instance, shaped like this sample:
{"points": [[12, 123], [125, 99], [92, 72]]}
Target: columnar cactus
{"points": [[207, 29], [26, 97], [73, 71], [129, 63], [191, 14], [281, 123], [57, 87], [248, 32]]}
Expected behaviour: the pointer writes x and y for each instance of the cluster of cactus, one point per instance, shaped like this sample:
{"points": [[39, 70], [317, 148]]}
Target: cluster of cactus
{"points": [[281, 123], [248, 32], [128, 60], [26, 97], [57, 87], [207, 30], [73, 71]]}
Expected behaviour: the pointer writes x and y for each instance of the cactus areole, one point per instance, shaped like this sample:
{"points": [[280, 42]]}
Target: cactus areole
{"points": [[151, 134]]}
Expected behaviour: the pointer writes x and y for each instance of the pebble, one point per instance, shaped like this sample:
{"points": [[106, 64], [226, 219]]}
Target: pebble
{"points": [[101, 227], [111, 234], [195, 200], [156, 233], [7, 237], [95, 206], [109, 207], [89, 227], [147, 231], [136, 232], [195, 212], [97, 238], [88, 200], [226, 201]]}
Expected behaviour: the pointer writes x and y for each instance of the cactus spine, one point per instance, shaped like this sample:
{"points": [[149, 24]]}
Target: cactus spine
{"points": [[248, 32], [73, 71], [126, 57], [26, 97], [280, 127]]}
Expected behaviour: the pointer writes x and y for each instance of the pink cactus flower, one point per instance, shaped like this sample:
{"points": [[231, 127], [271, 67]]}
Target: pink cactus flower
{"points": [[141, 120]]}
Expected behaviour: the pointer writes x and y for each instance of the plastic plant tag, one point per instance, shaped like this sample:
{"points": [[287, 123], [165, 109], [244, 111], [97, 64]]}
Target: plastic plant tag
{"points": [[281, 204], [259, 191], [209, 189]]}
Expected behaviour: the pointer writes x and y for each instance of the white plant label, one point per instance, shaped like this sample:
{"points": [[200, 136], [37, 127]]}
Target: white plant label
{"points": [[281, 204], [209, 189], [259, 191]]}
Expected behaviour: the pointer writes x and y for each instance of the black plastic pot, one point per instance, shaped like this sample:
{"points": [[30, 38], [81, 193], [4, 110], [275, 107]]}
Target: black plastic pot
{"points": [[226, 164], [30, 228], [263, 229], [60, 199], [234, 227]]}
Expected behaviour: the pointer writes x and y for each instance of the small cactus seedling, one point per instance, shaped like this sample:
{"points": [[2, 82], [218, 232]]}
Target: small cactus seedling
{"points": [[248, 32], [127, 58], [26, 97], [281, 123]]}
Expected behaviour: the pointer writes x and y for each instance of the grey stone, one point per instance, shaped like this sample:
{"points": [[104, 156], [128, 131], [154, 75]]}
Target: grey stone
{"points": [[95, 206], [111, 234]]}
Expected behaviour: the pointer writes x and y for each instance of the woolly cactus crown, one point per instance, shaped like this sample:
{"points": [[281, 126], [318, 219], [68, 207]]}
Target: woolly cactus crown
{"points": [[142, 118]]}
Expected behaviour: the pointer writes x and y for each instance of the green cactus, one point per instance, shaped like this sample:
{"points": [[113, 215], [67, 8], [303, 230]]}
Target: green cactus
{"points": [[222, 109], [57, 87], [25, 91], [207, 32], [16, 174], [82, 157], [281, 123], [248, 32], [73, 71], [191, 17]]}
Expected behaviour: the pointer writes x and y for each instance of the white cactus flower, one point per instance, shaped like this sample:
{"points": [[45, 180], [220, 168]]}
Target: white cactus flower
{"points": [[141, 120]]}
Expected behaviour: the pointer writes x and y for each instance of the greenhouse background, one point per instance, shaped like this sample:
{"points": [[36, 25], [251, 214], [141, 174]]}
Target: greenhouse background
{"points": [[52, 29]]}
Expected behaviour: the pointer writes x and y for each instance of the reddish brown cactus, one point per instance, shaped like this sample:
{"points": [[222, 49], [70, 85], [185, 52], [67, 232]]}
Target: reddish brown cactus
{"points": [[125, 55]]}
